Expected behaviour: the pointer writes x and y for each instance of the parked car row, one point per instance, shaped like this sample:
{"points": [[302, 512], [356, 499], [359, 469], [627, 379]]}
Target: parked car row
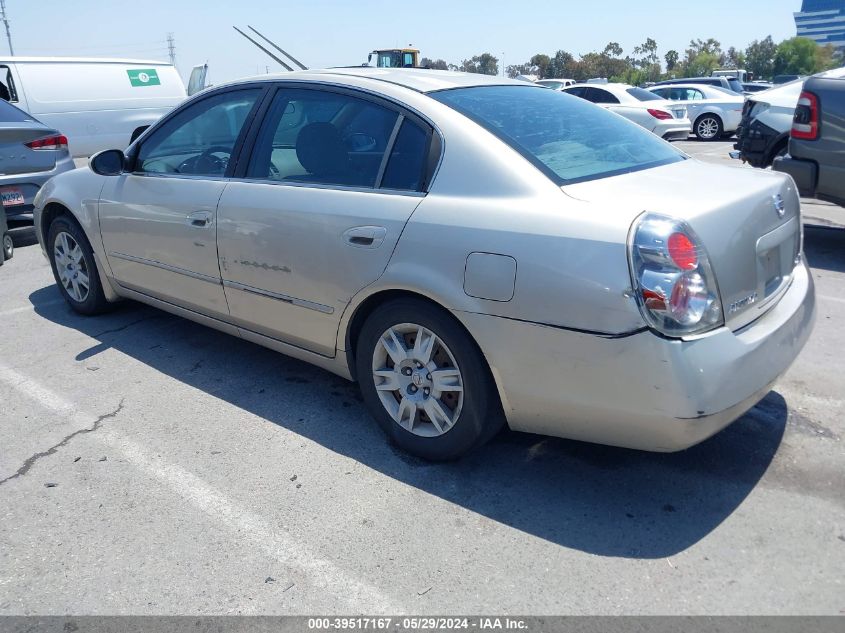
{"points": [[664, 118], [767, 118], [715, 112], [307, 212], [816, 158]]}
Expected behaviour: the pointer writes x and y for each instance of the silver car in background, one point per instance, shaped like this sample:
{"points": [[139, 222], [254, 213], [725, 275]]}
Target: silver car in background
{"points": [[30, 154], [659, 116], [472, 250], [715, 112]]}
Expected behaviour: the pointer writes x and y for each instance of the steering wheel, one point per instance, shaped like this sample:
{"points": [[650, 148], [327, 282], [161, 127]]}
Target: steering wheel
{"points": [[207, 162]]}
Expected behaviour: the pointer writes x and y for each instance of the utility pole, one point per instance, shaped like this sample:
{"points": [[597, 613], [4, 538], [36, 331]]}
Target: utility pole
{"points": [[6, 22], [171, 47]]}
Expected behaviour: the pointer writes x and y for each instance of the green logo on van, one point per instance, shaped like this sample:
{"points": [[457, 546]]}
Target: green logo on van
{"points": [[143, 77]]}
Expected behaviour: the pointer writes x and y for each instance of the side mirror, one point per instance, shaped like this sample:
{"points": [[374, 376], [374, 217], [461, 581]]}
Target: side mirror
{"points": [[109, 162]]}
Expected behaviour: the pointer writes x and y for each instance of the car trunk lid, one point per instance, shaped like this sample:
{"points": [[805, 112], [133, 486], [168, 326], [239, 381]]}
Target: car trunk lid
{"points": [[16, 157], [749, 223]]}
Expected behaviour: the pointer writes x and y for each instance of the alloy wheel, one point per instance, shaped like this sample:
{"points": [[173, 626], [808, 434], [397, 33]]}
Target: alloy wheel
{"points": [[8, 246], [417, 380], [71, 266], [707, 128]]}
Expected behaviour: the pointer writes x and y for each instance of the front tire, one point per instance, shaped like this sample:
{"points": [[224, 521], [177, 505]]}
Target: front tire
{"points": [[74, 267], [708, 127], [425, 381]]}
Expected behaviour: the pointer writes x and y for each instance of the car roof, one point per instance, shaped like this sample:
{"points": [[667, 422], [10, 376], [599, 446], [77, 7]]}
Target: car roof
{"points": [[81, 60], [417, 79]]}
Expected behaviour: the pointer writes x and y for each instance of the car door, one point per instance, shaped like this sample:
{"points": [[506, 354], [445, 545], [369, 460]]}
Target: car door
{"points": [[332, 177], [693, 99], [158, 220]]}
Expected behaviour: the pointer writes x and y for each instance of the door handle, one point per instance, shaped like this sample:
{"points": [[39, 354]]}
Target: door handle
{"points": [[198, 219], [365, 236]]}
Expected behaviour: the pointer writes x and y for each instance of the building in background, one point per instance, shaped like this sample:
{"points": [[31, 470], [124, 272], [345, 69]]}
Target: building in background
{"points": [[822, 21]]}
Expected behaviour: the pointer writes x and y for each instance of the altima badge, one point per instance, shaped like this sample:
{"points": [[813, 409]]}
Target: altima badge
{"points": [[780, 206]]}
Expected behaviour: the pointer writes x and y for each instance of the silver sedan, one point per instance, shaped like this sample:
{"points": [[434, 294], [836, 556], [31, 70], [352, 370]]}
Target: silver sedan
{"points": [[474, 251]]}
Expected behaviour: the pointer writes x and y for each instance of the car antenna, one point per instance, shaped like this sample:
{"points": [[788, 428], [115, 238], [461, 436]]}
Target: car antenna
{"points": [[278, 48], [262, 48]]}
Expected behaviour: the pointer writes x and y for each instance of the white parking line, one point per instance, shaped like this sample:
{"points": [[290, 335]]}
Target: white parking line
{"points": [[30, 308], [829, 298], [357, 595]]}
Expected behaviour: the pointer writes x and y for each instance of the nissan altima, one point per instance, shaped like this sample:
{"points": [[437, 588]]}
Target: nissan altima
{"points": [[474, 251]]}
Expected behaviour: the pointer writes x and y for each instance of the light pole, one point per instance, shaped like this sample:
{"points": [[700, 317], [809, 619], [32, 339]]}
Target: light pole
{"points": [[6, 23], [503, 63]]}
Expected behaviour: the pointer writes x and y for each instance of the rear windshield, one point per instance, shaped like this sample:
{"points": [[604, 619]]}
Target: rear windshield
{"points": [[568, 138], [11, 114], [643, 95]]}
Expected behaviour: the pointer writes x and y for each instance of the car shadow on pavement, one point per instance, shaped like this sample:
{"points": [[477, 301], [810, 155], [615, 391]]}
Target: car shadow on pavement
{"points": [[825, 247], [601, 500]]}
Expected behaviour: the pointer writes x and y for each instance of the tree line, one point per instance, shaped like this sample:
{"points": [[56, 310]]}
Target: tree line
{"points": [[764, 58]]}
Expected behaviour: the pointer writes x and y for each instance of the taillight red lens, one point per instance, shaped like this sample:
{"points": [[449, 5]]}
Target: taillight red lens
{"points": [[659, 114], [57, 141], [682, 251], [805, 121]]}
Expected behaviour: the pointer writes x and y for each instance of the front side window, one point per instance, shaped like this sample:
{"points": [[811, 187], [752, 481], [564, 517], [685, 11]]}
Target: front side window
{"points": [[566, 138], [200, 139], [323, 137]]}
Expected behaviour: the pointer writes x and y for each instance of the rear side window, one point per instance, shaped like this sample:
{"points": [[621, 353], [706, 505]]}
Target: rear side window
{"points": [[643, 95], [11, 114], [578, 91], [406, 166], [568, 139], [322, 137], [597, 95]]}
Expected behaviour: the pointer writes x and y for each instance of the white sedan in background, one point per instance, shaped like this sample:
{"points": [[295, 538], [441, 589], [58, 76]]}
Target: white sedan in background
{"points": [[664, 118], [715, 112]]}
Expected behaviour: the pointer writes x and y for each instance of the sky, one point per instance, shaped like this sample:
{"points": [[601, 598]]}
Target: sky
{"points": [[323, 33]]}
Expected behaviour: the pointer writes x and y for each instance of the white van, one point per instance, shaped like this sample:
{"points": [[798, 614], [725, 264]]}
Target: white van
{"points": [[96, 103]]}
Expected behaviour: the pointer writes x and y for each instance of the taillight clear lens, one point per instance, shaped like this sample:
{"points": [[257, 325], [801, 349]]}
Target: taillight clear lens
{"points": [[57, 141], [672, 278], [805, 121]]}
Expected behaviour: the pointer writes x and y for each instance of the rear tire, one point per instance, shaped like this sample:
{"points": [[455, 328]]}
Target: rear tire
{"points": [[425, 381], [708, 127], [8, 248], [74, 267]]}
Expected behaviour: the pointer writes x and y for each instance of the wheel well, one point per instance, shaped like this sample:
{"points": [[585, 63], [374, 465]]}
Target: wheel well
{"points": [[713, 114], [779, 144], [50, 213], [369, 305]]}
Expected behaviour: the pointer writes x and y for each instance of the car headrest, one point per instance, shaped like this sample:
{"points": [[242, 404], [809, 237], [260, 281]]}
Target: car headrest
{"points": [[320, 150]]}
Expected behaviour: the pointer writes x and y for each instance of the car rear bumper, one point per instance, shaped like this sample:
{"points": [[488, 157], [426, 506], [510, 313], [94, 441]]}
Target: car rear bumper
{"points": [[29, 185], [673, 129], [641, 390], [803, 172]]}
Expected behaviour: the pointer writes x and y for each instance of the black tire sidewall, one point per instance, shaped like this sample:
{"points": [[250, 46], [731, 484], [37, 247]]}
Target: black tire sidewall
{"points": [[95, 302], [480, 414], [7, 253], [717, 136]]}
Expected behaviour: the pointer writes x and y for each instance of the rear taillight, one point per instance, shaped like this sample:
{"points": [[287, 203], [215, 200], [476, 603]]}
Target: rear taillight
{"points": [[57, 141], [805, 121], [659, 114], [672, 278]]}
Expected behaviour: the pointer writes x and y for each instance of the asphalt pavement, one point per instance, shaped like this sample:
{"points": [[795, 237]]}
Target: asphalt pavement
{"points": [[150, 465]]}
